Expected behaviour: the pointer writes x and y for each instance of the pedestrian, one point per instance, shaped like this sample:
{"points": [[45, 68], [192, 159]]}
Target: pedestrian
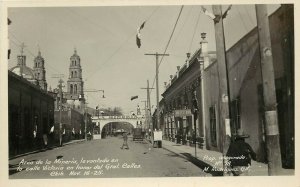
{"points": [[239, 155], [125, 138], [63, 133]]}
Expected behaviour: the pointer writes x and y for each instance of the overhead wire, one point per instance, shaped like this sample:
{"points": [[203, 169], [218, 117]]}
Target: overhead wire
{"points": [[18, 43], [241, 17], [120, 46], [194, 31], [168, 42]]}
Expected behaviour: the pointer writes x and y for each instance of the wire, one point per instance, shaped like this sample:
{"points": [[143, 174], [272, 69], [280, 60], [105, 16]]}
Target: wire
{"points": [[242, 19], [168, 43], [175, 39], [89, 20], [30, 53], [194, 31], [251, 20], [117, 50]]}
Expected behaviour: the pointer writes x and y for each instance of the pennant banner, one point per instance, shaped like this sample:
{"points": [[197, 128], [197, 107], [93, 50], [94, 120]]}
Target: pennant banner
{"points": [[134, 97], [138, 35]]}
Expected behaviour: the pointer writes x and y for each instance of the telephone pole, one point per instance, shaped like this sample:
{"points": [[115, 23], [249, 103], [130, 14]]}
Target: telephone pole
{"points": [[267, 71], [60, 92], [157, 89], [146, 116], [224, 96], [60, 109], [148, 105]]}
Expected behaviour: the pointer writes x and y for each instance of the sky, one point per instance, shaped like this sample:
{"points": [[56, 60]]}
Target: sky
{"points": [[104, 37]]}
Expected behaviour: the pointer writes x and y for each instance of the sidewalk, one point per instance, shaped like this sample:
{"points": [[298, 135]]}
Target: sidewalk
{"points": [[212, 162], [45, 149]]}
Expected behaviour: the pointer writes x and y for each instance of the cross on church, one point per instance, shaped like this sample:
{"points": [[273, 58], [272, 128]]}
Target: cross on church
{"points": [[22, 48]]}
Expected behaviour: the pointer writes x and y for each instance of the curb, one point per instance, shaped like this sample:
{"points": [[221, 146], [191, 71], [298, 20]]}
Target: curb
{"points": [[44, 149]]}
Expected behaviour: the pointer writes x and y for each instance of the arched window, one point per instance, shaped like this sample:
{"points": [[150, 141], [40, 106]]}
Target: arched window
{"points": [[72, 74], [75, 62], [75, 73], [71, 88], [36, 64], [75, 88]]}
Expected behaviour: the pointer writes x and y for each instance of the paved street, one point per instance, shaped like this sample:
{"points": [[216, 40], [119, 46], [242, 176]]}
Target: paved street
{"points": [[103, 158]]}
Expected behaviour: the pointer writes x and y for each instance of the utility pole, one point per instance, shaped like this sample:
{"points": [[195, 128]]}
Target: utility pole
{"points": [[157, 89], [146, 113], [148, 105], [224, 95], [60, 104], [267, 71]]}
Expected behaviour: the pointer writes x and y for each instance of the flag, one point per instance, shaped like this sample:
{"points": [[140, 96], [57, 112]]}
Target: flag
{"points": [[8, 54], [134, 97], [226, 12], [52, 129], [138, 35], [209, 14]]}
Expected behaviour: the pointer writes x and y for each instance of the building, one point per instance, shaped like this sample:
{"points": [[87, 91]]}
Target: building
{"points": [[31, 107], [39, 71], [31, 114], [75, 94], [246, 93], [177, 118]]}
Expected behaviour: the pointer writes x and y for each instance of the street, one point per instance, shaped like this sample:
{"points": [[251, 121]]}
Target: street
{"points": [[103, 159]]}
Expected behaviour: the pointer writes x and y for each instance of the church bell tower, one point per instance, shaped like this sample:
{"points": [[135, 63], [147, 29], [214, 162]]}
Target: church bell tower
{"points": [[75, 95]]}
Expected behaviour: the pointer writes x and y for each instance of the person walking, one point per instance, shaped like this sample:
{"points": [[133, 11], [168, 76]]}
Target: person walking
{"points": [[239, 155], [125, 138]]}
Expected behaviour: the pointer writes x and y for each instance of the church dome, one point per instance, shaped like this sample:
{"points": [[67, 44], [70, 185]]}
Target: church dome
{"points": [[26, 72]]}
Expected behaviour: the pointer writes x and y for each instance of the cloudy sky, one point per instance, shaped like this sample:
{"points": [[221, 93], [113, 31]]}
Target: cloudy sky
{"points": [[104, 37]]}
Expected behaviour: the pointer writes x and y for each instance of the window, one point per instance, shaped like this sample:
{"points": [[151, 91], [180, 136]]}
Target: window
{"points": [[235, 114], [75, 73], [75, 88], [213, 125], [71, 88]]}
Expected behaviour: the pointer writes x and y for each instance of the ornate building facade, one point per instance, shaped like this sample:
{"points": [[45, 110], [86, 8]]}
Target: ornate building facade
{"points": [[246, 93], [39, 71], [75, 95]]}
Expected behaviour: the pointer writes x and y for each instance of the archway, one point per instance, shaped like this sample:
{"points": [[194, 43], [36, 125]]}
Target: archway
{"points": [[116, 129]]}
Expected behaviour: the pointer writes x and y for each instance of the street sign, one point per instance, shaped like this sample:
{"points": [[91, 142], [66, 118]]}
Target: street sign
{"points": [[183, 113]]}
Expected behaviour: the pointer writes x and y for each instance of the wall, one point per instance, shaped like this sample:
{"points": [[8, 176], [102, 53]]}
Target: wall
{"points": [[30, 108]]}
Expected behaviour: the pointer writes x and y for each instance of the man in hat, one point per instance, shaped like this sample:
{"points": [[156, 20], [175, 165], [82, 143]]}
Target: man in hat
{"points": [[125, 137], [240, 154]]}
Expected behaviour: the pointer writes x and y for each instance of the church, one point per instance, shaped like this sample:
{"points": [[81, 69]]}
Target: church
{"points": [[30, 106], [34, 109]]}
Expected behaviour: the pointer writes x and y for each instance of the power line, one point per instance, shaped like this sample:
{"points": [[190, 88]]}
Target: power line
{"points": [[117, 50], [88, 20], [30, 53], [168, 42], [251, 20], [240, 15], [175, 39], [194, 31]]}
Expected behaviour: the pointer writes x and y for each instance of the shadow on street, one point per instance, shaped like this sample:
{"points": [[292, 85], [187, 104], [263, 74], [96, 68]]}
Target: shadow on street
{"points": [[202, 165]]}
